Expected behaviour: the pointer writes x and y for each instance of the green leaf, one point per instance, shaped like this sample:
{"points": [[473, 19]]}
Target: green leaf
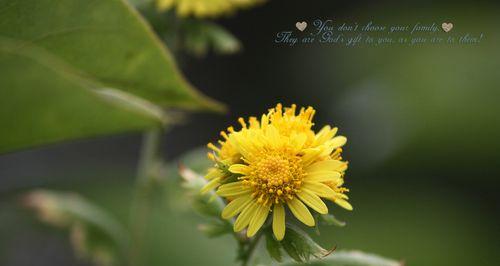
{"points": [[273, 246], [215, 229], [94, 234], [196, 160], [352, 258], [91, 244], [43, 100], [139, 3], [211, 206], [300, 246], [330, 219], [200, 36], [223, 41], [358, 258], [208, 204], [106, 40]]}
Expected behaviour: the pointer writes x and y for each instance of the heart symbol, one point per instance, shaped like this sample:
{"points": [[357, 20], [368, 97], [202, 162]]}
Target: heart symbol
{"points": [[301, 25], [447, 26]]}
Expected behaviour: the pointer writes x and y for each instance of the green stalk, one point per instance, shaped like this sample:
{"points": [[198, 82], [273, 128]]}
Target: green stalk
{"points": [[250, 250], [141, 203]]}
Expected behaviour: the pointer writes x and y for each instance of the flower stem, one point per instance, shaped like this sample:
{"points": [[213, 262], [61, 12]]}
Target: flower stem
{"points": [[141, 204], [252, 245], [149, 153]]}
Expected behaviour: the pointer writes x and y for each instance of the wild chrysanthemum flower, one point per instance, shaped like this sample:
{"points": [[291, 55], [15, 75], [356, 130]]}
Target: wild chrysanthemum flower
{"points": [[277, 162], [205, 8]]}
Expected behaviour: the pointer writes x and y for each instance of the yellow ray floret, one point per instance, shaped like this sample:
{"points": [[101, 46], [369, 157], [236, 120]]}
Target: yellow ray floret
{"points": [[277, 162]]}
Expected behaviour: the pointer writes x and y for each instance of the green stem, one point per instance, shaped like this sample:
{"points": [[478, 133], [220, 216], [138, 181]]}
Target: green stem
{"points": [[252, 245], [150, 151], [141, 205]]}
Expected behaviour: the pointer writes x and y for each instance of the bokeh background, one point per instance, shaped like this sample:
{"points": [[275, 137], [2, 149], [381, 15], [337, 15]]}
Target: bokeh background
{"points": [[422, 126]]}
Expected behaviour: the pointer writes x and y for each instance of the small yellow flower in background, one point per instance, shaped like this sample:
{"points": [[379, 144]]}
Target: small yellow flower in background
{"points": [[205, 8], [278, 162]]}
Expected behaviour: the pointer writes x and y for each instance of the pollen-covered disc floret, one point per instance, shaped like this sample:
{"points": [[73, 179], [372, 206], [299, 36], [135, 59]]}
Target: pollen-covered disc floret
{"points": [[276, 162], [275, 177]]}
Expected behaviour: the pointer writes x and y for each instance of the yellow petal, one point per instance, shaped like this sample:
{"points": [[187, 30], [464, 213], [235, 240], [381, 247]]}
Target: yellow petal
{"points": [[310, 156], [324, 135], [258, 220], [328, 165], [240, 169], [329, 146], [235, 139], [183, 9], [213, 173], [319, 189], [236, 206], [243, 144], [164, 4], [342, 196], [338, 141], [313, 201], [279, 222], [298, 141], [245, 216], [210, 185], [233, 189], [264, 121], [344, 204], [301, 212], [273, 136], [323, 176]]}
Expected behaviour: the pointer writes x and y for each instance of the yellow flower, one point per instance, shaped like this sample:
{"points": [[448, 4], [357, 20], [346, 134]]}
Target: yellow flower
{"points": [[226, 154], [205, 8], [285, 121], [279, 162]]}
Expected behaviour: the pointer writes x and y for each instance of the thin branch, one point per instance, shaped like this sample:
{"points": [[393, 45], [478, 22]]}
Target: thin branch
{"points": [[140, 209], [252, 246]]}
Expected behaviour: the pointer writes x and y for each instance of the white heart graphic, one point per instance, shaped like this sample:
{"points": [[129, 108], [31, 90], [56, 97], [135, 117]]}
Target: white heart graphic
{"points": [[447, 26], [301, 25]]}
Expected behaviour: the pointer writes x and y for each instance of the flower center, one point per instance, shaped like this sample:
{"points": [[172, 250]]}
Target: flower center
{"points": [[275, 177]]}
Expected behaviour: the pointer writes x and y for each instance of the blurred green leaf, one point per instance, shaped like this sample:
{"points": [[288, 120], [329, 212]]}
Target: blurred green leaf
{"points": [[51, 50], [300, 246], [138, 3], [91, 244], [330, 219], [200, 36], [208, 204], [223, 42], [352, 258], [326, 219], [93, 233], [44, 100], [215, 229], [196, 159], [107, 40]]}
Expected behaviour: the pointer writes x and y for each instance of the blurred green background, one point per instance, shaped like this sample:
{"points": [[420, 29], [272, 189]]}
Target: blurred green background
{"points": [[422, 126]]}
